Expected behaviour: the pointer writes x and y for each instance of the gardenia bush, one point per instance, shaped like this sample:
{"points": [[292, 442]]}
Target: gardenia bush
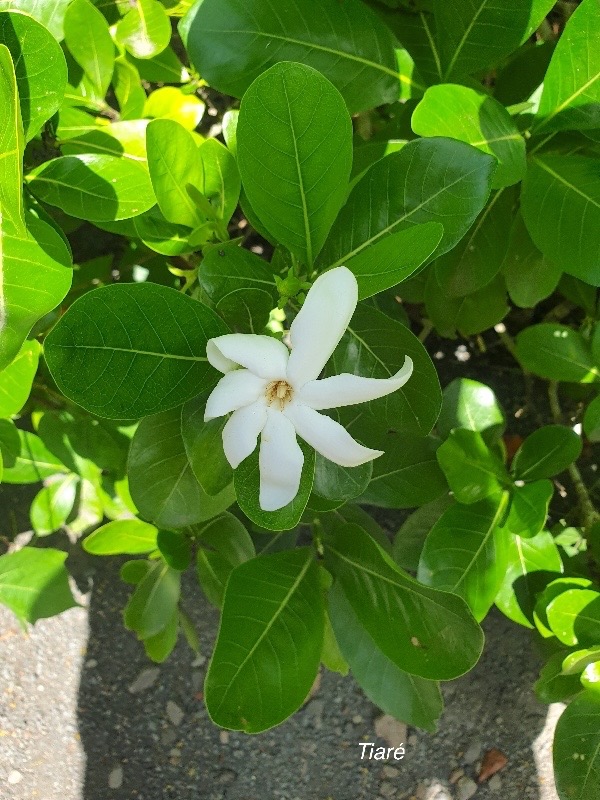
{"points": [[227, 231]]}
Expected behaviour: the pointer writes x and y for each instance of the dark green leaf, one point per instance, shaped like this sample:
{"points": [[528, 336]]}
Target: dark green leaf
{"points": [[175, 548], [576, 749], [591, 420], [224, 544], [204, 446], [530, 277], [472, 470], [163, 68], [160, 646], [154, 601], [557, 352], [29, 460], [123, 536], [553, 686], [546, 452], [471, 314], [333, 482], [409, 541], [34, 583]]}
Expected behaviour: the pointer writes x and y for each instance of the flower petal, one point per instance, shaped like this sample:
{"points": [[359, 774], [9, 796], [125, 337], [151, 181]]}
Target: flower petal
{"points": [[320, 324], [262, 355], [347, 389], [235, 389], [280, 462], [241, 431], [328, 437]]}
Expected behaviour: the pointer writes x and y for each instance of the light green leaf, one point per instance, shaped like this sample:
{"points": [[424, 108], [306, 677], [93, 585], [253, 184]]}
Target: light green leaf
{"points": [[171, 103], [161, 481], [231, 42], [51, 13], [571, 96], [553, 686], [421, 630], [122, 536], [129, 92], [576, 750], [295, 164], [466, 553], [476, 118], [93, 186], [40, 68], [26, 459], [472, 470], [416, 701], [121, 370], [89, 42], [34, 583], [560, 202], [52, 505], [126, 138], [152, 605], [546, 452], [16, 380], [160, 235], [269, 644], [160, 646], [472, 405], [529, 508], [221, 178], [449, 180], [574, 617], [557, 353], [145, 29]]}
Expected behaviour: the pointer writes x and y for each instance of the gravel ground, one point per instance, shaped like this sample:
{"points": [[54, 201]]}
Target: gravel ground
{"points": [[84, 716]]}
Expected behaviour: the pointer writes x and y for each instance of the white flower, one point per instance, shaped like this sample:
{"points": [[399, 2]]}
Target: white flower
{"points": [[275, 393]]}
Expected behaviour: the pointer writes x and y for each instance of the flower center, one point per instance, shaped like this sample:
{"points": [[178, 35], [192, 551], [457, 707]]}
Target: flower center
{"points": [[279, 392]]}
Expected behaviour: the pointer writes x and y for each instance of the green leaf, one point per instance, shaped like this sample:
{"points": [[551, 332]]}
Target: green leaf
{"points": [[129, 92], [295, 164], [557, 353], [269, 644], [375, 346], [174, 164], [410, 539], [449, 180], [571, 96], [576, 750], [126, 138], [331, 657], [553, 686], [144, 352], [145, 29], [220, 182], [546, 452], [591, 420], [231, 42], [416, 701], [160, 646], [34, 583], [161, 481], [579, 660], [163, 68], [472, 405], [51, 13], [529, 508], [477, 259], [16, 380], [134, 571], [176, 549], [472, 470], [204, 446], [333, 482], [530, 277], [560, 202], [247, 481], [93, 186], [172, 103], [40, 69], [154, 601], [481, 33], [160, 235], [530, 564], [421, 630], [574, 617], [471, 314], [477, 119], [122, 536], [224, 544], [466, 553], [52, 505], [29, 461], [393, 259], [89, 42]]}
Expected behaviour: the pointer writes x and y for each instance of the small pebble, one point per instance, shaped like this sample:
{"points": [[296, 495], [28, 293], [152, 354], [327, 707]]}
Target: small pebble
{"points": [[14, 776], [473, 752], [390, 772], [174, 713], [389, 729], [387, 789], [495, 783], [144, 680], [455, 775], [199, 661], [357, 719], [224, 737], [91, 663], [466, 788], [115, 779]]}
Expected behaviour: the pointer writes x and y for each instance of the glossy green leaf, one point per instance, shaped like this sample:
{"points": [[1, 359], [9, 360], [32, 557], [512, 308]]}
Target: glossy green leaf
{"points": [[529, 508], [89, 42], [395, 258], [466, 553], [176, 549], [530, 277], [122, 536], [472, 470], [560, 202], [160, 235], [295, 164], [410, 539], [472, 405], [576, 750], [449, 181], [574, 617], [163, 68], [224, 544], [93, 186], [531, 563], [421, 630], [269, 644], [414, 700], [51, 13], [154, 600], [476, 118], [52, 505], [40, 69], [477, 258], [171, 103], [553, 686], [247, 481], [481, 33], [34, 583], [469, 315], [375, 346], [129, 92], [333, 482], [145, 29], [204, 446], [579, 660], [591, 420], [551, 591], [26, 459], [161, 481], [546, 452], [157, 362], [556, 352], [571, 96], [231, 42], [17, 378]]}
